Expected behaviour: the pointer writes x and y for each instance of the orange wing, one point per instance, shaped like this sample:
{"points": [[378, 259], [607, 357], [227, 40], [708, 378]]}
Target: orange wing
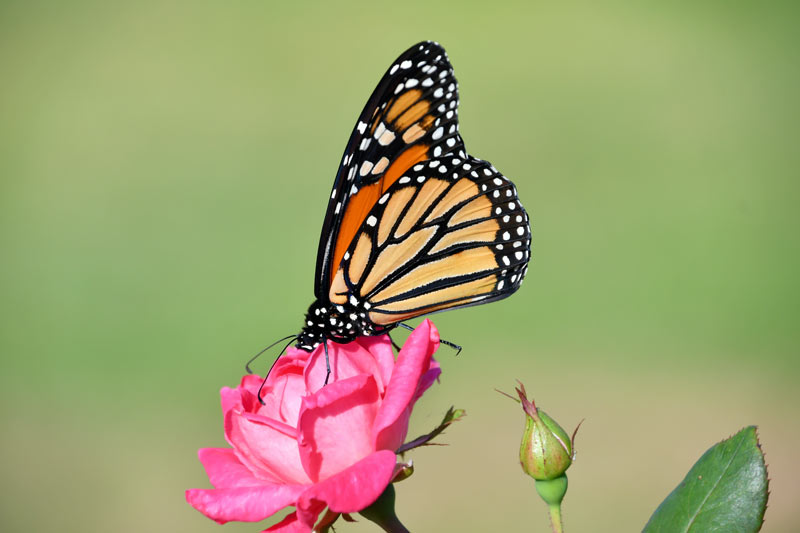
{"points": [[412, 116], [449, 233]]}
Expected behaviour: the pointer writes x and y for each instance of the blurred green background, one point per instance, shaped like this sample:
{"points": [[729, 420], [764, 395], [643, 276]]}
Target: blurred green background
{"points": [[165, 167]]}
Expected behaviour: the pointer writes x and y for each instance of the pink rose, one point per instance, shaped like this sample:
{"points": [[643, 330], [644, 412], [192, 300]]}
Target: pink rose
{"points": [[313, 446]]}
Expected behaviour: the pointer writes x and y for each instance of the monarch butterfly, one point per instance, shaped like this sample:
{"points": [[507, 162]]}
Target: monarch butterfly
{"points": [[414, 224]]}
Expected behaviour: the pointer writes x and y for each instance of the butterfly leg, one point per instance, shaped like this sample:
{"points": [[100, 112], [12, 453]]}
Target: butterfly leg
{"points": [[248, 363], [247, 367], [452, 345], [327, 362]]}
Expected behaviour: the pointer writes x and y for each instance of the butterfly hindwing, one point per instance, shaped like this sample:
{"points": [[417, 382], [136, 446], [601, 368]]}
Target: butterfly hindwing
{"points": [[450, 232], [412, 116]]}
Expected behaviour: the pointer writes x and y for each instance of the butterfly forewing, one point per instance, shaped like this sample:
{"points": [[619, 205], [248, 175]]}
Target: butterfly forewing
{"points": [[450, 232], [411, 117]]}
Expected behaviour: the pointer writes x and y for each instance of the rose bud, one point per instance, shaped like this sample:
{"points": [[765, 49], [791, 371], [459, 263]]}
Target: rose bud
{"points": [[546, 449], [545, 454]]}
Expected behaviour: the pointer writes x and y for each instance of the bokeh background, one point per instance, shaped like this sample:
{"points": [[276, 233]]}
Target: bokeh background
{"points": [[165, 167]]}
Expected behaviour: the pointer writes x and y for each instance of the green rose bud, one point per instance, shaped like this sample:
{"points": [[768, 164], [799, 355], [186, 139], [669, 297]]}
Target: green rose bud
{"points": [[546, 449], [545, 454]]}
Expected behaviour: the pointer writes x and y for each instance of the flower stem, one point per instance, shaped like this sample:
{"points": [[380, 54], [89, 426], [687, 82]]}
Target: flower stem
{"points": [[555, 518]]}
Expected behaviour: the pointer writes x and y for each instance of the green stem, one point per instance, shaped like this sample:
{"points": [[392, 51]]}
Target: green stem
{"points": [[555, 518]]}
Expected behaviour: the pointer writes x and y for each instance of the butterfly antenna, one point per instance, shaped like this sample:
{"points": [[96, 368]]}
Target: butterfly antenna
{"points": [[452, 345], [293, 337], [247, 365]]}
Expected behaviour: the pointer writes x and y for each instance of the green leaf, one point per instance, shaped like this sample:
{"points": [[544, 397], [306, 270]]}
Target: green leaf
{"points": [[726, 490]]}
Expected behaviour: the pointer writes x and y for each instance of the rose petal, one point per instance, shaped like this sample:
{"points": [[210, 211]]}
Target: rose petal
{"points": [[230, 399], [346, 360], [413, 361], [428, 379], [282, 397], [244, 397], [251, 383], [380, 346], [267, 447], [351, 490], [225, 470], [335, 425], [248, 504], [290, 524]]}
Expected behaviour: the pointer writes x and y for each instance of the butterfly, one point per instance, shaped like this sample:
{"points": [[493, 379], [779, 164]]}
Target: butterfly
{"points": [[414, 224]]}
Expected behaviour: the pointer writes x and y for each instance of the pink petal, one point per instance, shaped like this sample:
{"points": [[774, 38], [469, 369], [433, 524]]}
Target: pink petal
{"points": [[346, 360], [290, 524], [335, 425], [292, 357], [267, 447], [380, 346], [248, 504], [352, 489], [310, 513], [251, 382], [230, 399], [225, 470], [413, 361], [243, 397], [428, 379], [282, 397]]}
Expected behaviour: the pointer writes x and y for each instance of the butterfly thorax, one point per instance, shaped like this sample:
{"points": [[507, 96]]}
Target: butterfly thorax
{"points": [[338, 323]]}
